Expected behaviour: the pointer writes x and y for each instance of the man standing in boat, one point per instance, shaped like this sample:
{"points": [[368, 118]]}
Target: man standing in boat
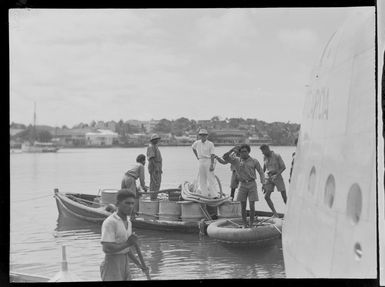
{"points": [[154, 165], [116, 239], [246, 167], [130, 177], [204, 152], [234, 182], [273, 166]]}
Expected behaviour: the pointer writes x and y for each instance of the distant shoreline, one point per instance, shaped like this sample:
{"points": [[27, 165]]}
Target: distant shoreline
{"points": [[145, 145]]}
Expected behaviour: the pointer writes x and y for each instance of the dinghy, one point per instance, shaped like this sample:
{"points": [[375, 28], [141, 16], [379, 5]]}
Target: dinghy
{"points": [[90, 208], [231, 231]]}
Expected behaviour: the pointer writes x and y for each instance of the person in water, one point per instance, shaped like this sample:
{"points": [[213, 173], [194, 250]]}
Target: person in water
{"points": [[116, 239], [234, 182], [246, 167], [204, 152], [274, 166], [154, 165]]}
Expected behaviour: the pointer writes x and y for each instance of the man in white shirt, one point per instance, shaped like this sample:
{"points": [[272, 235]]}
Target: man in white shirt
{"points": [[116, 239], [204, 152]]}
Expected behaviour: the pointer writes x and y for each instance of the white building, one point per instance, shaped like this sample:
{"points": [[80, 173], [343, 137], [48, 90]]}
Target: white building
{"points": [[101, 138]]}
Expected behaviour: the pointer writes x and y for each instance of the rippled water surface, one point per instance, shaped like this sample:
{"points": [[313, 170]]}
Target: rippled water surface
{"points": [[36, 235]]}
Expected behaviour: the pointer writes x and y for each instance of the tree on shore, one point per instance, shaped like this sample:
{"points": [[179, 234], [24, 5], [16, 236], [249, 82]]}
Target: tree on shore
{"points": [[163, 126]]}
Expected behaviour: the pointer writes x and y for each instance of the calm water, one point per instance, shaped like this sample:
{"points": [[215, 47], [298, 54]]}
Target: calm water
{"points": [[36, 236]]}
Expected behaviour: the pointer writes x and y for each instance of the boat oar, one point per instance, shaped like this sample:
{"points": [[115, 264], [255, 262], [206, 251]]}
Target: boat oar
{"points": [[146, 271]]}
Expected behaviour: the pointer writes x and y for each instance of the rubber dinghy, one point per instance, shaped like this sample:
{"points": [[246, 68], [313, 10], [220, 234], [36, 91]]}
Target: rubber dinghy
{"points": [[231, 231], [189, 193]]}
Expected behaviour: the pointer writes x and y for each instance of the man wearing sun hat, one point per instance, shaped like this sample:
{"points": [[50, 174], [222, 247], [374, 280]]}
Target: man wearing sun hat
{"points": [[204, 152], [154, 165]]}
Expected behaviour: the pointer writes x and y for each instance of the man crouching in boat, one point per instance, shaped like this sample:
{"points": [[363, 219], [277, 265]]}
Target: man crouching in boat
{"points": [[116, 239], [246, 167], [204, 152], [130, 177]]}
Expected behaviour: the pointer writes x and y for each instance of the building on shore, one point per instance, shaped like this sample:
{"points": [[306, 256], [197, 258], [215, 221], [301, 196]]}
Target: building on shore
{"points": [[228, 136], [71, 137], [101, 138], [257, 140]]}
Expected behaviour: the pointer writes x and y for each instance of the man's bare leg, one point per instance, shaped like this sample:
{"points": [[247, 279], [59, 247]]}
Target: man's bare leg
{"points": [[270, 203], [252, 212], [284, 197], [232, 193], [243, 211]]}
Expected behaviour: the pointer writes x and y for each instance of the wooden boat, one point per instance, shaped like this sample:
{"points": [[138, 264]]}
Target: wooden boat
{"points": [[85, 207], [231, 231], [39, 147]]}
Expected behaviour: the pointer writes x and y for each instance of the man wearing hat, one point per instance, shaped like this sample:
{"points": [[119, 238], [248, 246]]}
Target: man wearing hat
{"points": [[154, 165], [204, 152]]}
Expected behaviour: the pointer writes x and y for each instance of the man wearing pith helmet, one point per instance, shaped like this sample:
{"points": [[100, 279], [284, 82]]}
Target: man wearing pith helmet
{"points": [[204, 152], [154, 165]]}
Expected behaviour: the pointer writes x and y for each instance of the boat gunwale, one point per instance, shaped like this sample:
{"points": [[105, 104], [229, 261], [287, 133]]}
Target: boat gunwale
{"points": [[63, 196]]}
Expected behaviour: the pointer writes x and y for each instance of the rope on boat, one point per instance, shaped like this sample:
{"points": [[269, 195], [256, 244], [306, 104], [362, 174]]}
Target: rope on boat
{"points": [[28, 199], [232, 222], [220, 187], [276, 228]]}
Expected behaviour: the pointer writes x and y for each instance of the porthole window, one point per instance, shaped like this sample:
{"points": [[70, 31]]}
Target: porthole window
{"points": [[311, 181], [354, 203], [329, 191]]}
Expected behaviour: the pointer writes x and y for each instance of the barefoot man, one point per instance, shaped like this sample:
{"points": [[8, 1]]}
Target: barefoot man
{"points": [[246, 167], [204, 152], [273, 166], [116, 239]]}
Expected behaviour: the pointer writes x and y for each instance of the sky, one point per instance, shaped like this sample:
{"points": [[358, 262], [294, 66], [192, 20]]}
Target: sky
{"points": [[112, 64]]}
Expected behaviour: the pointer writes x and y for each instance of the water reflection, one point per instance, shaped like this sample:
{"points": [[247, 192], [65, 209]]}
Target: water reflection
{"points": [[193, 256]]}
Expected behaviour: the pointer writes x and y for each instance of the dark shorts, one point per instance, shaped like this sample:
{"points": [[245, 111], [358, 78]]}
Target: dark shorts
{"points": [[234, 183], [278, 182], [247, 190]]}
